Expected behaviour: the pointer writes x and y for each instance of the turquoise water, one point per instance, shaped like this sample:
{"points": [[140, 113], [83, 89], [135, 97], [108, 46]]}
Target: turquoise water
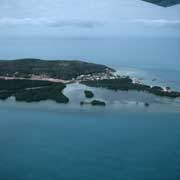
{"points": [[124, 140]]}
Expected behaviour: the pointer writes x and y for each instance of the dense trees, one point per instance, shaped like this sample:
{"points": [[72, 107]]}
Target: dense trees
{"points": [[88, 94], [30, 91], [55, 69], [126, 84]]}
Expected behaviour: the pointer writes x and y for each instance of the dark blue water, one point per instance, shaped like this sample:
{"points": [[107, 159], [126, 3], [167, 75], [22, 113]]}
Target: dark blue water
{"points": [[121, 141], [83, 145]]}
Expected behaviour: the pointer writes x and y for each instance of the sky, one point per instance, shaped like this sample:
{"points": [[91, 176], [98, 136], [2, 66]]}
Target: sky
{"points": [[86, 18]]}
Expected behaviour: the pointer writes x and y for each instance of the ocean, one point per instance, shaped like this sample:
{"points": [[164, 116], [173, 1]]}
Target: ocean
{"points": [[124, 140]]}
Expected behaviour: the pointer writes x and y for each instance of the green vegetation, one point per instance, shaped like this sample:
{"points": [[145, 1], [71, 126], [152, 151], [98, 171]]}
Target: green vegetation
{"points": [[36, 90], [98, 103], [89, 94], [146, 104], [94, 103], [54, 69], [126, 84], [30, 91], [22, 84]]}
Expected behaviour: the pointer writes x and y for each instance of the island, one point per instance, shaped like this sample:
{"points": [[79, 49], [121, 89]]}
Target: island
{"points": [[33, 80], [126, 84], [88, 94], [146, 104], [94, 103], [98, 103], [49, 69]]}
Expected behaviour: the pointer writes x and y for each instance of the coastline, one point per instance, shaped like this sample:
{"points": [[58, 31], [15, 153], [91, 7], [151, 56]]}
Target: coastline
{"points": [[100, 77], [152, 76], [120, 101]]}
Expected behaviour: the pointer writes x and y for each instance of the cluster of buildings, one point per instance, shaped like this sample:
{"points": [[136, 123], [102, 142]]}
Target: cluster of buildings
{"points": [[98, 76]]}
